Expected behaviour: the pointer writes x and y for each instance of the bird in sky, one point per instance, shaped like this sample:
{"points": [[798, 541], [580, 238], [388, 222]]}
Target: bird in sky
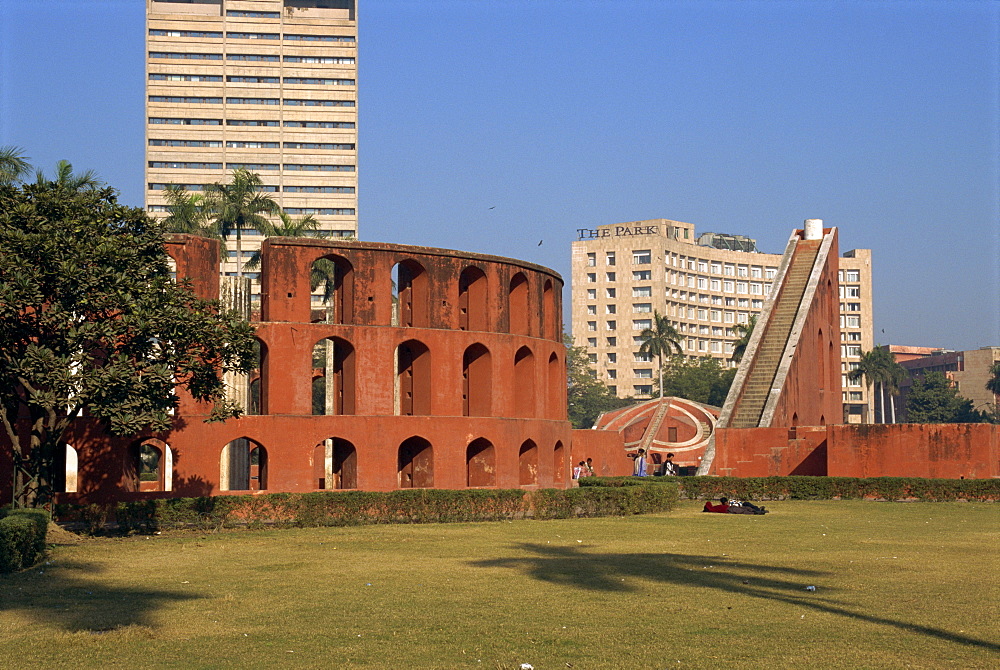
{"points": [[493, 207], [540, 242]]}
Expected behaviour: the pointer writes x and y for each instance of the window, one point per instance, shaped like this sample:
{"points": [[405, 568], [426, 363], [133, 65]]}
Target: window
{"points": [[194, 100], [591, 260], [610, 276], [853, 336], [702, 283], [644, 389], [252, 36], [755, 289], [610, 258], [185, 143], [729, 317], [852, 291], [612, 374], [253, 80], [318, 103], [327, 60], [186, 187], [729, 270], [591, 294], [181, 165], [320, 189], [728, 286], [184, 33], [185, 122], [591, 277], [756, 272], [756, 304], [184, 77], [715, 347], [612, 341], [300, 167], [716, 315], [641, 257], [637, 340], [702, 314], [716, 268], [320, 38], [741, 271], [252, 145], [610, 309], [247, 14], [592, 358], [612, 325], [329, 211], [246, 122], [643, 373], [252, 57], [852, 321], [642, 357], [855, 395], [319, 80], [591, 341], [319, 145], [612, 357], [642, 291], [642, 324], [741, 287], [642, 275], [611, 292], [184, 56], [642, 307], [770, 273], [591, 325], [252, 101], [591, 309], [854, 307], [251, 166], [852, 275], [716, 285], [702, 266]]}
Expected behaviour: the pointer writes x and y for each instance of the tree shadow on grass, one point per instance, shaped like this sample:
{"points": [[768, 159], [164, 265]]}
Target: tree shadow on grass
{"points": [[576, 567], [66, 595]]}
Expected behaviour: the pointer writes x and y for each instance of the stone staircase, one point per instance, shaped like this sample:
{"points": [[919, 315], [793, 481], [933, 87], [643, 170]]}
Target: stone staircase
{"points": [[750, 405], [654, 425]]}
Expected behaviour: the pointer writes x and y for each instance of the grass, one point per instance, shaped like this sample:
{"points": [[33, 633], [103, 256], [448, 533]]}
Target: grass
{"points": [[897, 586]]}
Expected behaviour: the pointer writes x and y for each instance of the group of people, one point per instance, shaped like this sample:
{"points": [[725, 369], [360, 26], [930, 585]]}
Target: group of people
{"points": [[668, 468], [727, 506], [584, 469]]}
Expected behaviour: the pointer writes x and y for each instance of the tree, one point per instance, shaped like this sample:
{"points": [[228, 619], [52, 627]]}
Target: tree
{"points": [[702, 380], [934, 399], [660, 340], [13, 165], [67, 179], [304, 226], [993, 383], [878, 367], [188, 213], [743, 331], [587, 398], [239, 205], [90, 321]]}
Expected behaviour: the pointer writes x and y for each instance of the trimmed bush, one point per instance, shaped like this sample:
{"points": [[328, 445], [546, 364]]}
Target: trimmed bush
{"points": [[814, 488], [22, 538]]}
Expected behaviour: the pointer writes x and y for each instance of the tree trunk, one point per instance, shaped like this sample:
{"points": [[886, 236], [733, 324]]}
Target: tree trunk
{"points": [[660, 359]]}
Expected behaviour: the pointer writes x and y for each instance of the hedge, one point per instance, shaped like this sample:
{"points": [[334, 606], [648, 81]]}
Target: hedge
{"points": [[349, 508], [22, 538], [815, 488]]}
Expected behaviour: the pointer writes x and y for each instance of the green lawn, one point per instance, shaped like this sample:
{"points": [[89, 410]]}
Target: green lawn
{"points": [[898, 585]]}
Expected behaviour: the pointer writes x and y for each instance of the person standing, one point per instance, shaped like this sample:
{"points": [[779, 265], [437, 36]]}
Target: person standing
{"points": [[639, 467], [588, 468], [669, 467]]}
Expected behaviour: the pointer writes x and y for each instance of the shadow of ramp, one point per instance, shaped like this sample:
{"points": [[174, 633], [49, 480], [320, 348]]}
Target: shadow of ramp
{"points": [[64, 596]]}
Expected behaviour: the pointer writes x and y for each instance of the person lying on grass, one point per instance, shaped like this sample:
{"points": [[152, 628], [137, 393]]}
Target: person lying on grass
{"points": [[727, 506]]}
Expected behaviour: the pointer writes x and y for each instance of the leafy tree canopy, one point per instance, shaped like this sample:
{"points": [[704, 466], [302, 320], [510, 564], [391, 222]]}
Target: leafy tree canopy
{"points": [[586, 396], [703, 380], [934, 399], [90, 319]]}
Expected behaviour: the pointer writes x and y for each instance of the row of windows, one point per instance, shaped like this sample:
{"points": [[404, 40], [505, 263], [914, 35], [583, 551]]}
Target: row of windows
{"points": [[300, 167], [159, 120], [326, 211], [267, 58], [692, 281], [196, 100], [334, 146], [645, 257], [215, 34]]}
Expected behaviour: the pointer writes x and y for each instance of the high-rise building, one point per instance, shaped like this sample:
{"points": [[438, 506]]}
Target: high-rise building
{"points": [[705, 285], [266, 85]]}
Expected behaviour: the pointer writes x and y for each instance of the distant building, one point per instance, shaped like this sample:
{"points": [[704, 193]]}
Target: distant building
{"points": [[968, 371], [705, 285]]}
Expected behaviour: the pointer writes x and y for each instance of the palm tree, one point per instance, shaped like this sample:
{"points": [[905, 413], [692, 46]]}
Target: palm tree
{"points": [[13, 165], [879, 367], [993, 383], [189, 212], [743, 331], [238, 205], [662, 339], [66, 178], [304, 226]]}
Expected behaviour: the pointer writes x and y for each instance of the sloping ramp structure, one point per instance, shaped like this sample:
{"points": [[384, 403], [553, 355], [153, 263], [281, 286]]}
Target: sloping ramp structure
{"points": [[790, 373], [664, 425]]}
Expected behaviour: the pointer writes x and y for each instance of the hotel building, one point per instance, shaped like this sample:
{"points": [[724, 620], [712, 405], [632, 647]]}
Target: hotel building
{"points": [[705, 285], [266, 85]]}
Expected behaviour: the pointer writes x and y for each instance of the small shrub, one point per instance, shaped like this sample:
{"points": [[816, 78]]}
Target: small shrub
{"points": [[22, 538]]}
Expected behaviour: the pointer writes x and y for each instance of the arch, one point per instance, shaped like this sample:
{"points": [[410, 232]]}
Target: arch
{"points": [[333, 377], [71, 481], [243, 466], [527, 463], [335, 464], [524, 383], [477, 381], [413, 379], [416, 463], [480, 464], [517, 304], [558, 464], [821, 354], [555, 385], [550, 328], [331, 278], [149, 466], [473, 299], [410, 299], [256, 402]]}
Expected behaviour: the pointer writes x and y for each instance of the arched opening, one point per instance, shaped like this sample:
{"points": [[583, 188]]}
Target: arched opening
{"points": [[413, 379], [256, 401], [480, 461], [517, 304], [410, 295], [477, 381], [149, 466], [558, 464], [555, 384], [333, 378], [821, 354], [243, 466], [335, 464], [527, 464], [331, 280], [416, 464], [71, 481], [473, 300], [524, 383], [550, 328]]}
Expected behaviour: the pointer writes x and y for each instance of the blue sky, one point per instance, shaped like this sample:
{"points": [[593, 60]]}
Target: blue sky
{"points": [[740, 117]]}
